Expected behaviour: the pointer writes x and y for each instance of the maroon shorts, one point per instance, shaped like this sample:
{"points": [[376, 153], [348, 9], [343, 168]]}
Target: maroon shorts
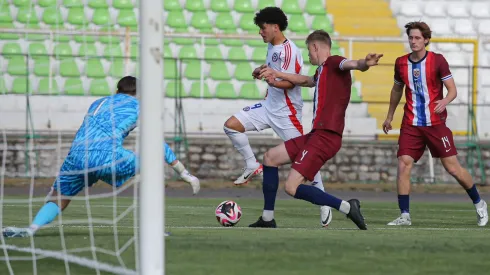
{"points": [[438, 138], [309, 152]]}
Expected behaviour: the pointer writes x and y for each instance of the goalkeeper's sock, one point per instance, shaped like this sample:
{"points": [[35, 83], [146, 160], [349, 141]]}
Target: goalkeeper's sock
{"points": [[45, 215], [241, 143], [179, 167]]}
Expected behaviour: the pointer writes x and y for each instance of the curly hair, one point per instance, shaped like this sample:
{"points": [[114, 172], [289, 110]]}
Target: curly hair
{"points": [[271, 15]]}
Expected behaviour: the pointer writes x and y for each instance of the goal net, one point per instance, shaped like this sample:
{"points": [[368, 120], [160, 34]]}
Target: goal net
{"points": [[58, 57]]}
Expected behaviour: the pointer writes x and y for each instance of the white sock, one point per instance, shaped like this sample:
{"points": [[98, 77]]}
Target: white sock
{"points": [[268, 215], [179, 167], [479, 204], [405, 215], [240, 142], [319, 182], [34, 228], [344, 207]]}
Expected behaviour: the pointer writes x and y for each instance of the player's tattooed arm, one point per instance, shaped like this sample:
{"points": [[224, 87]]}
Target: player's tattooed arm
{"points": [[395, 97], [362, 64], [294, 79]]}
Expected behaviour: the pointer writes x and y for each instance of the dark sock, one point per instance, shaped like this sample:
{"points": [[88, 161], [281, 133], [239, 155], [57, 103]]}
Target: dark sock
{"points": [[269, 186], [404, 203], [316, 196], [473, 193]]}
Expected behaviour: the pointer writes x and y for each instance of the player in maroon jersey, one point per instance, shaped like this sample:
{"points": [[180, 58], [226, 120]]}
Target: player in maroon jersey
{"points": [[332, 82], [424, 73]]}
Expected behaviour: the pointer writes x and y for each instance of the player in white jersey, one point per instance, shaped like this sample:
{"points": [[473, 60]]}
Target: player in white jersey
{"points": [[281, 109]]}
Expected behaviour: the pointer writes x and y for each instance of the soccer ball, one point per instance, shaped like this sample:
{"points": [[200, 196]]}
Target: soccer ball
{"points": [[228, 213]]}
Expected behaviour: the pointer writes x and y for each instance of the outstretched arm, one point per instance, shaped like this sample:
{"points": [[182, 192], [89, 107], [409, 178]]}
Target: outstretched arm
{"points": [[295, 79], [362, 64]]}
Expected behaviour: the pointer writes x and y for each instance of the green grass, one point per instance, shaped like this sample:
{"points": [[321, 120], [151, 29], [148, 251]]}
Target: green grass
{"points": [[443, 239]]}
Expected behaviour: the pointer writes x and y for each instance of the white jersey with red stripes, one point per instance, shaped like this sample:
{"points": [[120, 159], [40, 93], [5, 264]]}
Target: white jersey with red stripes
{"points": [[284, 57]]}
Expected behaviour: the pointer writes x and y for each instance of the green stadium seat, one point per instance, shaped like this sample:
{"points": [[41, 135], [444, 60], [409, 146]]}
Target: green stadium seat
{"points": [[8, 36], [225, 90], [247, 22], [73, 86], [5, 16], [99, 87], [212, 53], [224, 21], [113, 51], [61, 37], [117, 68], [170, 70], [94, 68], [17, 66], [52, 16], [210, 41], [11, 49], [220, 6], [354, 96], [47, 3], [291, 7], [87, 50], [174, 88], [27, 16], [306, 58], [237, 54], [43, 87], [98, 4], [187, 53], [315, 7], [196, 90], [336, 51], [312, 69], [243, 6], [76, 16], [167, 52], [122, 4], [33, 36], [135, 52], [68, 68], [73, 3], [297, 24], [109, 39], [37, 50], [250, 91], [193, 69], [127, 18], [219, 71], [255, 42], [22, 3], [183, 41], [62, 50], [305, 94], [172, 5], [243, 71], [21, 85], [195, 5], [321, 22], [41, 66], [231, 42], [265, 3], [3, 87], [176, 19], [200, 21], [259, 54], [102, 17]]}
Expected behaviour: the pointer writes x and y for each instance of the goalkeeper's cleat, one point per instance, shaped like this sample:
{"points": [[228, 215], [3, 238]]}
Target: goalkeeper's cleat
{"points": [[261, 223], [355, 214], [482, 214], [15, 232], [249, 173], [325, 215], [192, 180]]}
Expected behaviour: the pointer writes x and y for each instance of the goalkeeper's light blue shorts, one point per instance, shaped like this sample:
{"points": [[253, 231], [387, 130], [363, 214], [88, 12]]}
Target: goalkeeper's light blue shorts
{"points": [[84, 168]]}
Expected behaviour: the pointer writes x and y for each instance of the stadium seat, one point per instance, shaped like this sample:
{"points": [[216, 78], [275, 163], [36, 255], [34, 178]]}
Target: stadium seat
{"points": [[37, 50], [98, 4], [176, 19], [172, 5], [5, 15], [195, 5], [62, 50], [483, 28], [86, 38], [108, 39], [231, 42], [34, 36], [174, 89], [52, 16], [3, 87], [76, 16], [187, 53], [243, 71], [435, 9], [113, 51], [480, 10], [117, 68], [306, 94], [265, 3], [21, 85], [57, 37], [255, 42], [99, 87], [441, 27], [212, 53], [27, 16], [7, 36], [237, 53], [219, 71], [87, 50], [250, 91], [220, 6], [259, 54], [11, 49], [457, 10], [354, 96], [321, 22], [68, 68], [167, 51], [22, 3], [247, 22], [73, 86], [196, 90], [291, 7], [410, 8], [305, 56], [43, 87], [315, 7], [127, 18], [224, 21], [101, 17], [225, 90], [297, 24], [182, 40], [200, 20], [243, 6], [41, 66], [94, 69], [122, 4], [464, 27], [193, 69], [170, 70], [135, 52], [73, 3], [17, 66]]}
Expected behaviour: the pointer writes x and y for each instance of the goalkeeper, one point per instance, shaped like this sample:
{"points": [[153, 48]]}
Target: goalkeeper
{"points": [[97, 153]]}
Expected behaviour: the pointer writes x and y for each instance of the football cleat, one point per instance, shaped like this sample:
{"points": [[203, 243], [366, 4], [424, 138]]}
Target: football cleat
{"points": [[404, 219], [325, 215], [261, 223], [248, 174], [355, 214], [15, 232], [482, 214]]}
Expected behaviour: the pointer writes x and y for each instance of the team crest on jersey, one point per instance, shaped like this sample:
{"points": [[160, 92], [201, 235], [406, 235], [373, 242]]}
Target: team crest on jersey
{"points": [[416, 73], [275, 57], [246, 109]]}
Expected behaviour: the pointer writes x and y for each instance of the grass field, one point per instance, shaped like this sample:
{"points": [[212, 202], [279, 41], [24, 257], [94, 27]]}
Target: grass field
{"points": [[443, 239]]}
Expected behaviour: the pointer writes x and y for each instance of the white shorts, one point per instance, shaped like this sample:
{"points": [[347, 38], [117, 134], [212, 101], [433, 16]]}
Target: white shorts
{"points": [[257, 118]]}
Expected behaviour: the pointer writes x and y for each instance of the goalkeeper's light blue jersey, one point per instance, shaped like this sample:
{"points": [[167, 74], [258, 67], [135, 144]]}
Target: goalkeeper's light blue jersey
{"points": [[107, 123]]}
